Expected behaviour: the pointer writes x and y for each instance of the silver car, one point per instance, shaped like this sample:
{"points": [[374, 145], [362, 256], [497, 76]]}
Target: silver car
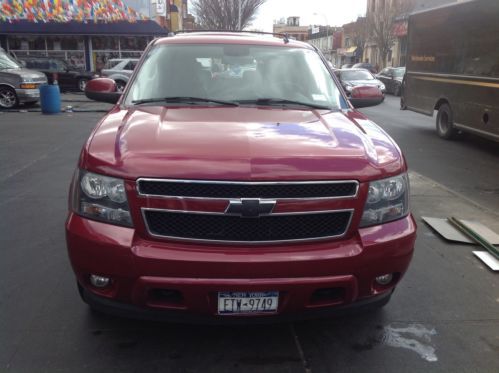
{"points": [[120, 70], [17, 84]]}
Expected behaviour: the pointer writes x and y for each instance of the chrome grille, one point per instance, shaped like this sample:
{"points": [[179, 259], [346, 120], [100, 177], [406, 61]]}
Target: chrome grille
{"points": [[231, 190]]}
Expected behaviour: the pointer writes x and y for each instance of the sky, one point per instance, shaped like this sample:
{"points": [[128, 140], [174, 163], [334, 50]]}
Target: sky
{"points": [[332, 12]]}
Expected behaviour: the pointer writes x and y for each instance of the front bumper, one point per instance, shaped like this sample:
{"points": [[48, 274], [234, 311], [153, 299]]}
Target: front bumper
{"points": [[28, 95], [139, 266]]}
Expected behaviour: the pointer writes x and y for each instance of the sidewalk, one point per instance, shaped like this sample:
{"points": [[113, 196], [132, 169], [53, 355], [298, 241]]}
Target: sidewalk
{"points": [[429, 198]]}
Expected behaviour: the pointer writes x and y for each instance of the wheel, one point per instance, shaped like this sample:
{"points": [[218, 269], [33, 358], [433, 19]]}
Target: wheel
{"points": [[445, 127], [397, 91], [8, 98], [82, 83], [120, 85]]}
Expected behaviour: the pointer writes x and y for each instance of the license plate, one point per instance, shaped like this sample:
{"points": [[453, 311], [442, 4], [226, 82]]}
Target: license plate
{"points": [[244, 302]]}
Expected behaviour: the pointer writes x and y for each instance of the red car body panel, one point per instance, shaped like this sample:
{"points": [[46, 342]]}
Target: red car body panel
{"points": [[238, 144], [269, 144], [139, 264]]}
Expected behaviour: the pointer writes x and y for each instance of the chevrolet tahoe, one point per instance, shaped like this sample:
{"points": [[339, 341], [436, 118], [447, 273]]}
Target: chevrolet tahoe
{"points": [[262, 195]]}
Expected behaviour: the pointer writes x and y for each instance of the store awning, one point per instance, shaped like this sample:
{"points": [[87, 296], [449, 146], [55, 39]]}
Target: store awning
{"points": [[347, 52], [23, 26]]}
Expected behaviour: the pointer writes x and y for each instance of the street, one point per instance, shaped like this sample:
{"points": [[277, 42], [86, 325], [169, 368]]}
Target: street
{"points": [[444, 315]]}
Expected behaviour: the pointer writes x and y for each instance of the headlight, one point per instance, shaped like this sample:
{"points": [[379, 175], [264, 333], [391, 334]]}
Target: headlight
{"points": [[349, 88], [95, 76], [382, 87], [101, 198], [27, 80], [387, 200], [28, 86]]}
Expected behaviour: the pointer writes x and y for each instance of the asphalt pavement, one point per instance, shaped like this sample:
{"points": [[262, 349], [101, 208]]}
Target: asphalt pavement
{"points": [[444, 315]]}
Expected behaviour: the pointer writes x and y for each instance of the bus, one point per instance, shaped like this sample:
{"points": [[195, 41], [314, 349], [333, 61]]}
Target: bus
{"points": [[453, 67]]}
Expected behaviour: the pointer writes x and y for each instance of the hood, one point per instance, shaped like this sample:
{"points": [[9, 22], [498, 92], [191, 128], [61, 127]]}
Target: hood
{"points": [[240, 143], [26, 73]]}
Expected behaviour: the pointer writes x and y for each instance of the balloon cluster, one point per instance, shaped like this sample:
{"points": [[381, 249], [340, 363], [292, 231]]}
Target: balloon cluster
{"points": [[67, 10]]}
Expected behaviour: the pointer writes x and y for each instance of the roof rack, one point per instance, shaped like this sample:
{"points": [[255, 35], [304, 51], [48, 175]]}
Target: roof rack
{"points": [[284, 36]]}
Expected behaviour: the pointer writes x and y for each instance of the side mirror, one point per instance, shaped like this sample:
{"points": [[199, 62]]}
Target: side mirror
{"points": [[103, 90], [364, 96]]}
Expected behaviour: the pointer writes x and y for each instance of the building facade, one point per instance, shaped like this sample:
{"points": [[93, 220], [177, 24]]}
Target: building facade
{"points": [[327, 39], [86, 45], [397, 53], [292, 27], [86, 34]]}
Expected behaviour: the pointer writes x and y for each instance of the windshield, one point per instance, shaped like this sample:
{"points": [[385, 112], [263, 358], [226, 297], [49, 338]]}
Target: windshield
{"points": [[235, 73], [356, 75], [7, 62], [399, 73]]}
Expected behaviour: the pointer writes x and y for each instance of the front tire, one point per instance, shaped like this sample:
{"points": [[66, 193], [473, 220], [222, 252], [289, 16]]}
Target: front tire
{"points": [[8, 98], [120, 85], [445, 122]]}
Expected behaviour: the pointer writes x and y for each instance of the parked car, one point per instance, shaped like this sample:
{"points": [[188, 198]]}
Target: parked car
{"points": [[367, 66], [351, 78], [346, 66], [120, 70], [392, 79], [17, 84], [253, 196], [69, 78]]}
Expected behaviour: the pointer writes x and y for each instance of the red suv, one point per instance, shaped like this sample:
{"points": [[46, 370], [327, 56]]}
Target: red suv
{"points": [[233, 180]]}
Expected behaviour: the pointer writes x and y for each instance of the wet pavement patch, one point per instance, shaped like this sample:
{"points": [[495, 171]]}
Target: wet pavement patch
{"points": [[415, 337]]}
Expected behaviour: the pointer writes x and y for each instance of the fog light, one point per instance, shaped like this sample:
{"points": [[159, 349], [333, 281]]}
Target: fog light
{"points": [[99, 281], [384, 279]]}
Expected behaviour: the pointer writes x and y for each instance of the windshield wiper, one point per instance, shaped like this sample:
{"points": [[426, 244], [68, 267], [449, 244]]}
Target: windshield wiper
{"points": [[182, 99], [279, 101]]}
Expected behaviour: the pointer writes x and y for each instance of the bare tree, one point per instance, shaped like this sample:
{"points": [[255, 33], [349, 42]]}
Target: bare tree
{"points": [[224, 14], [360, 34], [381, 23]]}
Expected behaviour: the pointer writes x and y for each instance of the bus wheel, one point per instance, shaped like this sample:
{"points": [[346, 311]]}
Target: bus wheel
{"points": [[445, 127]]}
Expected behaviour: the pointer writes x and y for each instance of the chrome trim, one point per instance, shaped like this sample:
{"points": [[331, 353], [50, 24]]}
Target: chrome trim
{"points": [[455, 76], [200, 240], [246, 183], [483, 133]]}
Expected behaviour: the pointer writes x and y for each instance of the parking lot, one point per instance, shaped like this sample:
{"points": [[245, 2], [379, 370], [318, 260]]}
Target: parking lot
{"points": [[444, 316]]}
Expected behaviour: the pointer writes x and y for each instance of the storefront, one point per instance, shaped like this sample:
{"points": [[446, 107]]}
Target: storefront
{"points": [[85, 44]]}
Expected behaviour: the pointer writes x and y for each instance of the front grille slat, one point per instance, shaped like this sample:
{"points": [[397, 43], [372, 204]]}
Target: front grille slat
{"points": [[281, 190], [219, 227]]}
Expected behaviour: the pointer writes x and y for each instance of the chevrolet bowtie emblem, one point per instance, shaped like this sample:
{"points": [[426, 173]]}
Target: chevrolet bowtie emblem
{"points": [[250, 207]]}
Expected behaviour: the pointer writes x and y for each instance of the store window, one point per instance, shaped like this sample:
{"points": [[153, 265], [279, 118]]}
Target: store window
{"points": [[133, 43], [27, 43], [105, 42]]}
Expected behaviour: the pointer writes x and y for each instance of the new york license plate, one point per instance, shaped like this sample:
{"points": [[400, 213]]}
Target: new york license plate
{"points": [[247, 302]]}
